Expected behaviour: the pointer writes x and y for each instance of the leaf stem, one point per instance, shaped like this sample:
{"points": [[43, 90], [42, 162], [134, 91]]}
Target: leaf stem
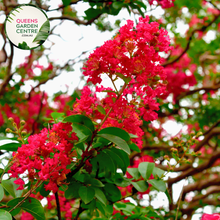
{"points": [[114, 84]]}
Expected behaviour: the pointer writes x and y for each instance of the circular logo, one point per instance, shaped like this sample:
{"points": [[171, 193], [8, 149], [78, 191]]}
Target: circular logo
{"points": [[27, 27]]}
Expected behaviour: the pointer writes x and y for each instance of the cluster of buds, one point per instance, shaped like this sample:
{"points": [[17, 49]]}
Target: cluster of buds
{"points": [[182, 152], [19, 131]]}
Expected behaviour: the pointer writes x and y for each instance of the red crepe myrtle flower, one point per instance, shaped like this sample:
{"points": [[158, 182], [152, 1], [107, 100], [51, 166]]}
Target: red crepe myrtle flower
{"points": [[210, 216], [46, 156], [163, 3]]}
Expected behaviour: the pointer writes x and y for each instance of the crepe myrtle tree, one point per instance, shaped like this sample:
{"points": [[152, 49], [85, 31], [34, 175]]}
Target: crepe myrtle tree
{"points": [[103, 152]]}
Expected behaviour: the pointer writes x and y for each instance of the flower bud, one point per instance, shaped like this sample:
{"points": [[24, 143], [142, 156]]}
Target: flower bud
{"points": [[23, 133], [11, 120], [199, 134], [22, 122], [174, 150], [198, 153], [175, 139], [192, 134], [8, 130], [188, 161], [166, 157]]}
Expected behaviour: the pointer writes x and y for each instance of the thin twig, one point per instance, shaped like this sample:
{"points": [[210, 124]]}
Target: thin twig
{"points": [[106, 116], [27, 195]]}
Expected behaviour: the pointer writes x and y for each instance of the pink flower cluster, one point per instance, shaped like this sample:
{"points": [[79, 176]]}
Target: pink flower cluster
{"points": [[210, 217], [133, 55], [46, 156], [178, 80], [163, 3]]}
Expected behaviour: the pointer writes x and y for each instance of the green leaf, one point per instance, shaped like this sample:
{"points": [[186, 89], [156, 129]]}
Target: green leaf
{"points": [[81, 119], [140, 186], [146, 169], [82, 132], [10, 146], [43, 191], [86, 193], [2, 171], [72, 190], [88, 180], [121, 180], [9, 187], [112, 192], [158, 184], [118, 141], [106, 163], [158, 172], [116, 131], [66, 2], [141, 4], [31, 205], [92, 13], [168, 196], [134, 147], [92, 206], [136, 7], [117, 5], [134, 172], [96, 182], [122, 155], [106, 210], [98, 144], [57, 116], [124, 78], [1, 192], [4, 215], [127, 208], [43, 33], [101, 109], [118, 160], [133, 135], [100, 207], [100, 195]]}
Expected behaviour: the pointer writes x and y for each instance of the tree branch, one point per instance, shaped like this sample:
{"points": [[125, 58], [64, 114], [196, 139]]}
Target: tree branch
{"points": [[75, 19], [191, 207], [190, 92], [189, 41], [8, 75], [58, 206], [192, 171], [209, 191]]}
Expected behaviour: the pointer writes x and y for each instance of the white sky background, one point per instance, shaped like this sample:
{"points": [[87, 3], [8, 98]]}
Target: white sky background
{"points": [[72, 42]]}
